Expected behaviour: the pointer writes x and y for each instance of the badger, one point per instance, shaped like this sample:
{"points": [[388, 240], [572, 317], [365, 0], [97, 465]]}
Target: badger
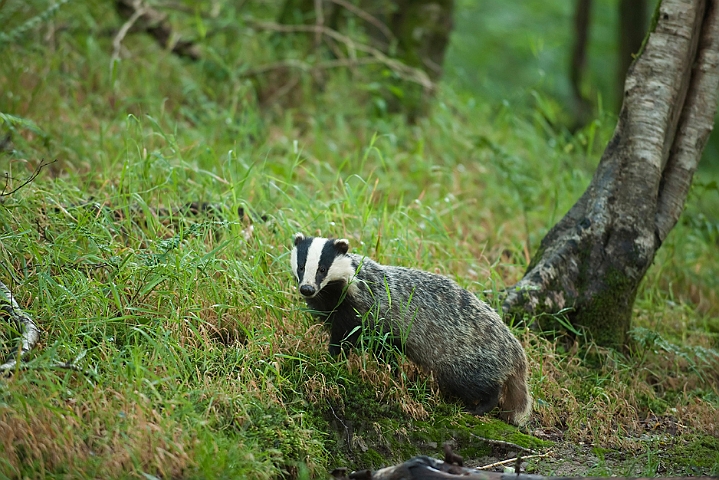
{"points": [[439, 325]]}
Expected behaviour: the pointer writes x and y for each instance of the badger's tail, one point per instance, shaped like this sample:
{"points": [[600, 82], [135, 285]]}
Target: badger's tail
{"points": [[515, 401]]}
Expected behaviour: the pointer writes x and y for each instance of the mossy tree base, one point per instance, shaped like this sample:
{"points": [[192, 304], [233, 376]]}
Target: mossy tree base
{"points": [[592, 261]]}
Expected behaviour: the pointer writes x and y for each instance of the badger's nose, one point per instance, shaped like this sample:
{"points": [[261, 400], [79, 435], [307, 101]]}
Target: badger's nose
{"points": [[307, 290]]}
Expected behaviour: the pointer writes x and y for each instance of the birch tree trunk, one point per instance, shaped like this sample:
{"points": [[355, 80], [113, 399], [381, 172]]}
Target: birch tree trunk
{"points": [[592, 261]]}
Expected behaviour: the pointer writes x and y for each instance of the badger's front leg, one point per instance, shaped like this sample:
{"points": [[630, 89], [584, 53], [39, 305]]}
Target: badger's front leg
{"points": [[343, 337]]}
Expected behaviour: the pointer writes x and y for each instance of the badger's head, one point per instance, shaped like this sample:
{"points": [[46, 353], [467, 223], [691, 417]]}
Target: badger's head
{"points": [[317, 262]]}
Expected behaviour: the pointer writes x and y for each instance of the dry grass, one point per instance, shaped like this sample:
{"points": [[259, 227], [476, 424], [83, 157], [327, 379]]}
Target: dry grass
{"points": [[66, 435], [610, 400]]}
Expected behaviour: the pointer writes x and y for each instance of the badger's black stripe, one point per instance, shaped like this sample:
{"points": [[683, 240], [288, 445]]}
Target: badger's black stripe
{"points": [[302, 248], [329, 253]]}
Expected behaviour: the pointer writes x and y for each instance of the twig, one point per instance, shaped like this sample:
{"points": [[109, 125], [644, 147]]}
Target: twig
{"points": [[406, 72], [504, 462], [502, 443], [291, 83], [319, 21], [139, 11], [348, 432], [307, 67], [30, 334], [155, 23], [12, 365], [26, 182], [367, 18]]}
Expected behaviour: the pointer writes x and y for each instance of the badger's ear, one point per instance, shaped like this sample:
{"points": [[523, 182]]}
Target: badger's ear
{"points": [[298, 238], [342, 245]]}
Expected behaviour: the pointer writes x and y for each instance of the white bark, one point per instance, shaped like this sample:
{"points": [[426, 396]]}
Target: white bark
{"points": [[695, 125]]}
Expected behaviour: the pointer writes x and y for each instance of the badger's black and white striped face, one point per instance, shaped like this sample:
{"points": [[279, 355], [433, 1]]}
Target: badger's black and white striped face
{"points": [[318, 261]]}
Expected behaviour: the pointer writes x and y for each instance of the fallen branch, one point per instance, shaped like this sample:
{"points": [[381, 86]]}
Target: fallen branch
{"points": [[428, 468], [308, 67], [404, 71], [502, 443], [29, 333], [117, 41], [513, 460], [7, 368], [155, 23]]}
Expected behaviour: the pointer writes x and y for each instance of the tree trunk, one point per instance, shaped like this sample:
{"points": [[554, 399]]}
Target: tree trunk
{"points": [[422, 28], [592, 261], [632, 29], [582, 106], [417, 35], [415, 32]]}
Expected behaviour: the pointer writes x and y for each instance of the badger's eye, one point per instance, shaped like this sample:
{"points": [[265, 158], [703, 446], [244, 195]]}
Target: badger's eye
{"points": [[323, 269], [300, 269]]}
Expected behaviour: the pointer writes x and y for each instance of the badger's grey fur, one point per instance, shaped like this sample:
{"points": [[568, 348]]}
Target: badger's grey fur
{"points": [[440, 326]]}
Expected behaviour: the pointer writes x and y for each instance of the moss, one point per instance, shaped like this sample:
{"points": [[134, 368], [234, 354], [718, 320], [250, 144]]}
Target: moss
{"points": [[371, 459], [652, 26], [658, 406], [538, 255], [698, 456], [367, 428], [390, 441], [606, 314]]}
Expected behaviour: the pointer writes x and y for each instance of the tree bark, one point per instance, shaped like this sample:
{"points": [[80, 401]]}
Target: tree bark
{"points": [[422, 29], [582, 106], [592, 261]]}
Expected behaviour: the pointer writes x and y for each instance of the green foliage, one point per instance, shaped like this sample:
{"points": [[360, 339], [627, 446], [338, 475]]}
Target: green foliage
{"points": [[195, 355], [16, 33]]}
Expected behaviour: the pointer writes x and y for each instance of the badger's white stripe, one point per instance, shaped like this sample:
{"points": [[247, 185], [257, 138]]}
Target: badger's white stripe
{"points": [[313, 261], [341, 269], [293, 262]]}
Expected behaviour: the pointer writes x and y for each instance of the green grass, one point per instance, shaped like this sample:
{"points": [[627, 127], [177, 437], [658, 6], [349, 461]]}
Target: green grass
{"points": [[198, 359]]}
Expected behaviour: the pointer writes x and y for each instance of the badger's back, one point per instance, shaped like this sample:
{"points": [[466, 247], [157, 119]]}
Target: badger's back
{"points": [[436, 317]]}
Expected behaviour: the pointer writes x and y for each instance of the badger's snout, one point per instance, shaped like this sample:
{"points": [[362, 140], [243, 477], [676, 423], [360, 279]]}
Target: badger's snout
{"points": [[307, 290]]}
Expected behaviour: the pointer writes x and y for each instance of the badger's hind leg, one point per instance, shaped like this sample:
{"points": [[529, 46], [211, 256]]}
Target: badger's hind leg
{"points": [[477, 398], [515, 402], [486, 403]]}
